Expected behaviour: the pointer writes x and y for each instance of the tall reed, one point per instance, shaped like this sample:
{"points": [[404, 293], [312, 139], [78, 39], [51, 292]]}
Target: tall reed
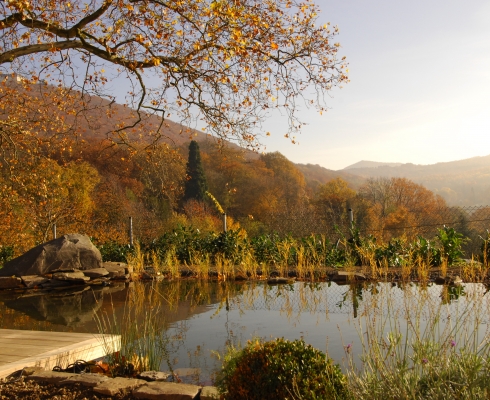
{"points": [[144, 344], [422, 350]]}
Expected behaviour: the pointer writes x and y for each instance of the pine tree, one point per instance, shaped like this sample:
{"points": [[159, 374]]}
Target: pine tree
{"points": [[196, 185]]}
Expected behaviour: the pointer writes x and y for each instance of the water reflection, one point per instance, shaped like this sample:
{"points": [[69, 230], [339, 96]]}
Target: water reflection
{"points": [[204, 316]]}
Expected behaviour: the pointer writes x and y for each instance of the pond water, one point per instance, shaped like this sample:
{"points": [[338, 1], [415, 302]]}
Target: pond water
{"points": [[203, 317]]}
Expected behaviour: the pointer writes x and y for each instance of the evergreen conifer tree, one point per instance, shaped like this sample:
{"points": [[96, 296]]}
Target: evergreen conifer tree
{"points": [[196, 185]]}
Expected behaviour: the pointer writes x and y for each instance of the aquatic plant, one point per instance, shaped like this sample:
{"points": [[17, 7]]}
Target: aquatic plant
{"points": [[421, 351], [144, 343]]}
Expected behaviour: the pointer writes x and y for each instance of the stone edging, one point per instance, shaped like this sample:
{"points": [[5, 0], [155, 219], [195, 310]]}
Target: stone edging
{"points": [[138, 388]]}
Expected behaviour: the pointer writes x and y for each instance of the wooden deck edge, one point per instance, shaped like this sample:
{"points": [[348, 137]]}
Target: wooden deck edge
{"points": [[86, 350]]}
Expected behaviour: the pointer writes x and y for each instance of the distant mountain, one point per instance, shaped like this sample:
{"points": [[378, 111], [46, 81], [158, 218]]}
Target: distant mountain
{"points": [[372, 164], [463, 182]]}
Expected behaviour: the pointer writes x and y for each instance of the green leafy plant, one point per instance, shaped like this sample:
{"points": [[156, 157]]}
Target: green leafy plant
{"points": [[451, 243], [280, 369], [112, 251], [6, 254], [425, 250]]}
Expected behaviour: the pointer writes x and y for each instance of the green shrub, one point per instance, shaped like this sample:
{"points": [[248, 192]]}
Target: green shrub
{"points": [[6, 254], [280, 369], [112, 251]]}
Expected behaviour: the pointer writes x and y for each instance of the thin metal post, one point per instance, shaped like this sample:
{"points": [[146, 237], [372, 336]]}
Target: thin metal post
{"points": [[54, 231], [224, 223], [351, 218], [131, 231]]}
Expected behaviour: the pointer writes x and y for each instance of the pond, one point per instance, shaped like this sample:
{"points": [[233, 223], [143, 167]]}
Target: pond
{"points": [[203, 317]]}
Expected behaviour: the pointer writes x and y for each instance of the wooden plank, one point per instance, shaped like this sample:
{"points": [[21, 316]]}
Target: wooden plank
{"points": [[21, 349]]}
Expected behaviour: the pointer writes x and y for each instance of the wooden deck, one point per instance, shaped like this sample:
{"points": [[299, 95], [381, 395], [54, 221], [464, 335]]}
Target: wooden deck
{"points": [[19, 349]]}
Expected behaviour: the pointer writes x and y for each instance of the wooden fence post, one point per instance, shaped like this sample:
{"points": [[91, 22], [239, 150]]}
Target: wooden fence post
{"points": [[131, 231]]}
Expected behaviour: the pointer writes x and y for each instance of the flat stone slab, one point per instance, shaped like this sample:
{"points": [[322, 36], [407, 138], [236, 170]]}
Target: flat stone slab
{"points": [[115, 272], [166, 391], [209, 393], [71, 276], [10, 282], [50, 376], [96, 272], [153, 376], [117, 268], [90, 380], [111, 387], [33, 280]]}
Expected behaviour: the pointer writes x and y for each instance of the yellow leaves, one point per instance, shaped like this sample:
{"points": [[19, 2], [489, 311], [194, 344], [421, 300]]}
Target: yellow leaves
{"points": [[268, 134], [179, 32], [274, 46]]}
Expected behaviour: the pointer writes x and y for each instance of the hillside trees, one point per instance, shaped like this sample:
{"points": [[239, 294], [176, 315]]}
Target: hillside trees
{"points": [[54, 194], [333, 199], [287, 184], [397, 204], [225, 62]]}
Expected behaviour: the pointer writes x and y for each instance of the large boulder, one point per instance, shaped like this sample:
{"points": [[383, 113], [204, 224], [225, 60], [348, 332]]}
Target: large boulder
{"points": [[66, 253]]}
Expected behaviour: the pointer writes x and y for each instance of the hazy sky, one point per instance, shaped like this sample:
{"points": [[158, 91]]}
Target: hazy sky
{"points": [[419, 90]]}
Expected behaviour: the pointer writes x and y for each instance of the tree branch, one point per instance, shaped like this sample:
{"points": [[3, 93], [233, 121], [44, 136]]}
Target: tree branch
{"points": [[11, 55]]}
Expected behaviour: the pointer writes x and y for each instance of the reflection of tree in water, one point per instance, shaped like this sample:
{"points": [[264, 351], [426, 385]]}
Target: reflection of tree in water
{"points": [[452, 293]]}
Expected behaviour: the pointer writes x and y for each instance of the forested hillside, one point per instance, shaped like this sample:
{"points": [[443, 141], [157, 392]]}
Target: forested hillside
{"points": [[461, 183]]}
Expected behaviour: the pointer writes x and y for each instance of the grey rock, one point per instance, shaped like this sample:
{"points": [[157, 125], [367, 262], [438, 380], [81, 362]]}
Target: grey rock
{"points": [[122, 277], [32, 281], [347, 276], [167, 391], [67, 253], [10, 282], [117, 385], [90, 380], [209, 393], [115, 270], [154, 376], [50, 376], [96, 273], [76, 276]]}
